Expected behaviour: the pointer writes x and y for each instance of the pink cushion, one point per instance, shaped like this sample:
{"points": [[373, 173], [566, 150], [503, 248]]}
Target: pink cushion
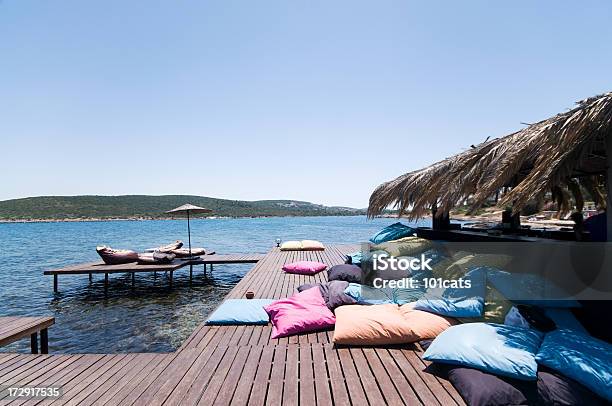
{"points": [[304, 267], [303, 312]]}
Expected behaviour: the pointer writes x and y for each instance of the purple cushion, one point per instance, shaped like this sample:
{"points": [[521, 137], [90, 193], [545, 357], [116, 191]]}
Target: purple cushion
{"points": [[556, 389], [332, 292], [479, 388], [345, 272]]}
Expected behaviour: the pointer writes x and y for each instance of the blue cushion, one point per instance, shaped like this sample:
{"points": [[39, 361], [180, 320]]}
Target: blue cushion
{"points": [[369, 295], [581, 357], [457, 302], [392, 232], [493, 348], [529, 289], [564, 319], [355, 258], [240, 311]]}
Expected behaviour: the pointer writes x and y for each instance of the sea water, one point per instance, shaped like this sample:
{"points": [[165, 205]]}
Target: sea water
{"points": [[151, 317]]}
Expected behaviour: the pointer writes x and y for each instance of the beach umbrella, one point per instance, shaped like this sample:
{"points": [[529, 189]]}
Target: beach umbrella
{"points": [[187, 209]]}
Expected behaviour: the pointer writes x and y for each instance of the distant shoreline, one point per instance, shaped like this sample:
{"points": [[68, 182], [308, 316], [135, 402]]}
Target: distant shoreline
{"points": [[95, 219]]}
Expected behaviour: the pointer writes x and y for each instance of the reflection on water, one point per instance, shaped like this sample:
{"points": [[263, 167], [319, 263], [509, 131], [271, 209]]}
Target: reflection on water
{"points": [[151, 317]]}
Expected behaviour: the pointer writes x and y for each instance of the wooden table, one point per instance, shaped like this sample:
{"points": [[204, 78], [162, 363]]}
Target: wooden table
{"points": [[16, 328]]}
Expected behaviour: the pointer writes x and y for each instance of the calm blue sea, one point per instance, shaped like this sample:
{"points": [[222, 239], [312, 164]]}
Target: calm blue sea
{"points": [[151, 317]]}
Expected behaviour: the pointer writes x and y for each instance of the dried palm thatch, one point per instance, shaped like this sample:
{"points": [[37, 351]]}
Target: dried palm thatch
{"points": [[545, 156]]}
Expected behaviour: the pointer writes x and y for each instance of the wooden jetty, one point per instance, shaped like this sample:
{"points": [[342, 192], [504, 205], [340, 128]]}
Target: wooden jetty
{"points": [[240, 365], [133, 268], [16, 328]]}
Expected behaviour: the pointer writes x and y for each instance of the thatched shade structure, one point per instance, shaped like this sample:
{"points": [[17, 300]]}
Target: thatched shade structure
{"points": [[561, 154]]}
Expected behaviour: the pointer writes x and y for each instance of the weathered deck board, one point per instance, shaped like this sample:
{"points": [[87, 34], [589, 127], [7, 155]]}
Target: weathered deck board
{"points": [[242, 365]]}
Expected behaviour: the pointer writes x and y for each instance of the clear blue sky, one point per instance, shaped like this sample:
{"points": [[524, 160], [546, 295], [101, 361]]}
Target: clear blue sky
{"points": [[310, 100]]}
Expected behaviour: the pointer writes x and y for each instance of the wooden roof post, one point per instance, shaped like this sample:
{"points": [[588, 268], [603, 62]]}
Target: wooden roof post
{"points": [[609, 186]]}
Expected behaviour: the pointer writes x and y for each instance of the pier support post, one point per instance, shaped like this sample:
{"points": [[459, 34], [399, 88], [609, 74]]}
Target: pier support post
{"points": [[171, 274], [90, 277], [106, 281], [44, 341], [55, 283], [190, 273], [133, 278], [34, 343]]}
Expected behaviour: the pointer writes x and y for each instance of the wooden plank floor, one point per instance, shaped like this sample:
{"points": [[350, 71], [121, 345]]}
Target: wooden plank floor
{"points": [[242, 365]]}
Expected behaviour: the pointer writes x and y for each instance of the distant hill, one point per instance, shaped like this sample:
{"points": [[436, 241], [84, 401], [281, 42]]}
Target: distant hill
{"points": [[141, 206]]}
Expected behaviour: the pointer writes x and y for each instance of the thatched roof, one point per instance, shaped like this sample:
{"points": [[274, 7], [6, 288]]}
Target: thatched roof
{"points": [[545, 156]]}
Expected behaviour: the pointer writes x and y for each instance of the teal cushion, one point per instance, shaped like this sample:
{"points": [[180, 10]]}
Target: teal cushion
{"points": [[392, 232], [494, 348], [458, 302], [529, 289], [581, 357], [240, 311], [369, 295]]}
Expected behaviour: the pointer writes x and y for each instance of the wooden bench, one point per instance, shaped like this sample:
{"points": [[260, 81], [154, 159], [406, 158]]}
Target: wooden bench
{"points": [[16, 328]]}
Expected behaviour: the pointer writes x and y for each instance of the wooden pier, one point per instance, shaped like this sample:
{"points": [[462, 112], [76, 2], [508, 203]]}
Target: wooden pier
{"points": [[99, 267], [242, 365]]}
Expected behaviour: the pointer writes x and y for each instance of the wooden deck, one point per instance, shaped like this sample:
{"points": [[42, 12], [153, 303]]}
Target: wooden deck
{"points": [[242, 365], [99, 267], [16, 328]]}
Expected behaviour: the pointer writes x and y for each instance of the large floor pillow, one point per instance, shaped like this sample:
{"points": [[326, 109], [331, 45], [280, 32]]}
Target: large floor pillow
{"points": [[240, 311], [112, 256], [345, 272], [184, 252], [303, 312], [425, 325], [479, 388], [371, 325], [581, 357], [457, 302], [291, 246], [392, 232], [496, 307], [368, 295], [530, 289], [304, 267], [312, 245], [557, 389], [332, 292], [494, 348], [407, 246]]}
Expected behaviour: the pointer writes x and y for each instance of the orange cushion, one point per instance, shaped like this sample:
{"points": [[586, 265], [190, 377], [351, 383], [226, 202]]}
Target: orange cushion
{"points": [[371, 325], [425, 325]]}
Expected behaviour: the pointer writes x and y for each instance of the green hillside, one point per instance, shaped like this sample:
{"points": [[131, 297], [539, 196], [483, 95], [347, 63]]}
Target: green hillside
{"points": [[138, 206]]}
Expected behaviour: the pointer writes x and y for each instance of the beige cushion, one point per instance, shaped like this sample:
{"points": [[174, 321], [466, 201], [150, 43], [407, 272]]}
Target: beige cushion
{"points": [[312, 245], [425, 325], [371, 325], [291, 246], [386, 324], [407, 246]]}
